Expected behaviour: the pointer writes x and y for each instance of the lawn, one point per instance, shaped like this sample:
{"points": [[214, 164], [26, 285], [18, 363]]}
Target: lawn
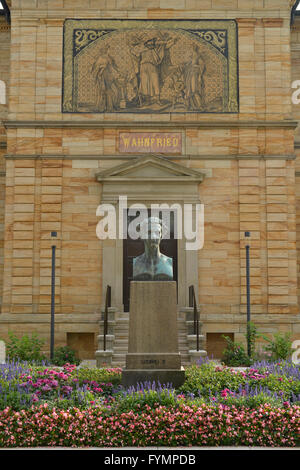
{"points": [[75, 406]]}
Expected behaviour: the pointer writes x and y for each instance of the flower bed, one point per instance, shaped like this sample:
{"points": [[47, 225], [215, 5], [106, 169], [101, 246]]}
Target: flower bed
{"points": [[162, 426], [71, 406], [22, 385]]}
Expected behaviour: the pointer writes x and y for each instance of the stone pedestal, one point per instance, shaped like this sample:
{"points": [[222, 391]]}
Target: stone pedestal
{"points": [[153, 335], [103, 358], [195, 356]]}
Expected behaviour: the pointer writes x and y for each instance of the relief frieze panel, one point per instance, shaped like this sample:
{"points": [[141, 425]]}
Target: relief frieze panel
{"points": [[162, 66]]}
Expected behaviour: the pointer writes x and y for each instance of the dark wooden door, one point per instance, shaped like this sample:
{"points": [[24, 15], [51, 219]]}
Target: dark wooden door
{"points": [[133, 248]]}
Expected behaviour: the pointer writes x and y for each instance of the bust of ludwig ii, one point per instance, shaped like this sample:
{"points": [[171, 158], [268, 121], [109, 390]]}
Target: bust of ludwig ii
{"points": [[152, 265]]}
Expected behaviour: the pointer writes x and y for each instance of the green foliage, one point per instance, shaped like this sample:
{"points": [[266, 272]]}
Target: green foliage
{"points": [[89, 373], [280, 347], [208, 380], [234, 354], [251, 336], [138, 400], [63, 355], [14, 399], [252, 402], [22, 386], [25, 348], [282, 385], [77, 399], [112, 376]]}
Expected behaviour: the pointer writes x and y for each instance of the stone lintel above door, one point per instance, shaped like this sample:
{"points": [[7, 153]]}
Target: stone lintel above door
{"points": [[149, 178]]}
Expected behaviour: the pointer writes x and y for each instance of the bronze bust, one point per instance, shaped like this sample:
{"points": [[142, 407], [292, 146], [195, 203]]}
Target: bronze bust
{"points": [[152, 265]]}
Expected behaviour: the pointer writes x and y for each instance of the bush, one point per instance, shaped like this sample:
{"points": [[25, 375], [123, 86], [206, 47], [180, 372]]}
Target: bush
{"points": [[25, 348], [221, 384], [251, 337], [88, 374], [64, 355], [250, 401], [234, 354], [280, 347], [208, 379], [146, 394]]}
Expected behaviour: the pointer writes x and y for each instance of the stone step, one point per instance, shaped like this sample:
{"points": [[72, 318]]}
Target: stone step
{"points": [[124, 346], [182, 339], [124, 349], [120, 326]]}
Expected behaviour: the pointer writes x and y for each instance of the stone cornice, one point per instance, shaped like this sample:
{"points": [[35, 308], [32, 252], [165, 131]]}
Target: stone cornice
{"points": [[41, 318], [82, 124], [133, 157]]}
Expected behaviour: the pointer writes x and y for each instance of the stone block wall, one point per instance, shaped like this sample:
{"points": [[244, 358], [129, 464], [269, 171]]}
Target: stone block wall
{"points": [[248, 160], [4, 78], [295, 57]]}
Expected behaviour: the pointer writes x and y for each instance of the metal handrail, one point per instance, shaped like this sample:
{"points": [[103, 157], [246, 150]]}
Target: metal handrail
{"points": [[193, 303], [107, 305]]}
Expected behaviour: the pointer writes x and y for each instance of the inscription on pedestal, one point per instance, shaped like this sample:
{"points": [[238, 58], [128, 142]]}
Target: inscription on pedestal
{"points": [[153, 361]]}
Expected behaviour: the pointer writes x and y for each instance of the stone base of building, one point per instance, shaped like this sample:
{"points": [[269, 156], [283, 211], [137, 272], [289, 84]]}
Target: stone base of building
{"points": [[163, 376]]}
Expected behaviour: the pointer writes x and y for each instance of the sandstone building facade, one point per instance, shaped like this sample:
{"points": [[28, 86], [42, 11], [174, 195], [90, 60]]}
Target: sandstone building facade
{"points": [[61, 156]]}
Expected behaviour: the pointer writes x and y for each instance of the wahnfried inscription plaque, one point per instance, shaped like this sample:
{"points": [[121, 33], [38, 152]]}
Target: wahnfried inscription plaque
{"points": [[150, 142], [145, 66]]}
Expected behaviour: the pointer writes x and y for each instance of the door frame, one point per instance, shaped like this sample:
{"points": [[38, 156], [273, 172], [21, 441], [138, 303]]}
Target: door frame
{"points": [[175, 273], [149, 180]]}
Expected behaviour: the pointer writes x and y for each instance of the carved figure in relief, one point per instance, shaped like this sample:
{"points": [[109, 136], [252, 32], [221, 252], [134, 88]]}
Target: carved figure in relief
{"points": [[106, 77], [153, 60], [194, 81]]}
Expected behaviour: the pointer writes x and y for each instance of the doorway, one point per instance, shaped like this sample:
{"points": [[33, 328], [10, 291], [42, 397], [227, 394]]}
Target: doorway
{"points": [[133, 248]]}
